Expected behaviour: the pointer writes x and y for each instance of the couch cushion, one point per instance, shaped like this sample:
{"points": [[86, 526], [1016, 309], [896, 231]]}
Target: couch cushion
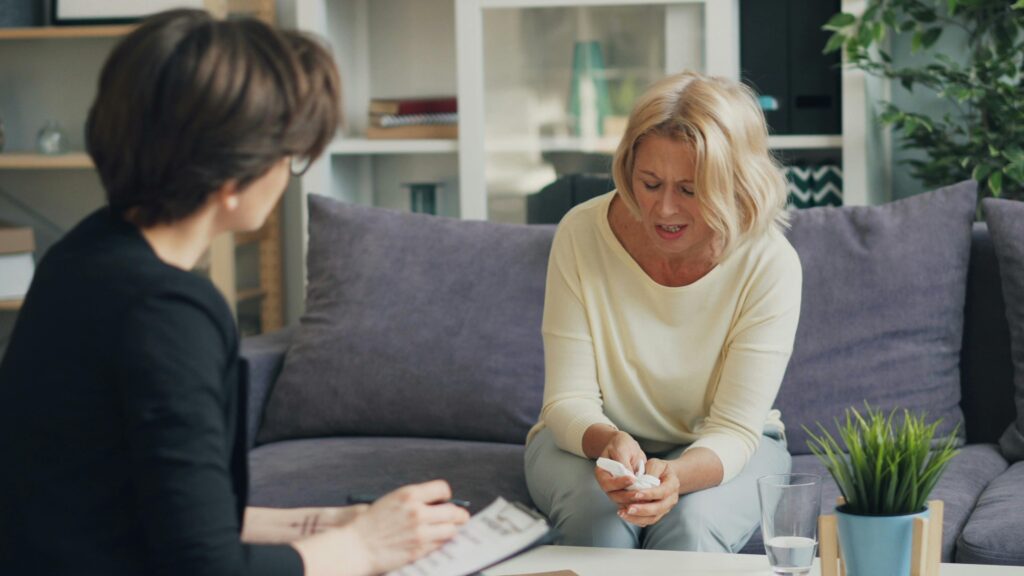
{"points": [[1006, 224], [882, 313], [324, 471], [993, 532], [959, 488], [415, 326]]}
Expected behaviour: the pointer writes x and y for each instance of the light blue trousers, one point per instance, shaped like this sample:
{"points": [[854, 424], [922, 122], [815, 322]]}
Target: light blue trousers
{"points": [[719, 519]]}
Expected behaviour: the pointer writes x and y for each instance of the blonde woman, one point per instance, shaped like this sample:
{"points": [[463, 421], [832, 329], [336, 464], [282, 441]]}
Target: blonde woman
{"points": [[671, 307]]}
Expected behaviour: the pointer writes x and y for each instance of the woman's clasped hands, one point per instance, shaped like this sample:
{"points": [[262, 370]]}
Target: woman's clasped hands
{"points": [[639, 507]]}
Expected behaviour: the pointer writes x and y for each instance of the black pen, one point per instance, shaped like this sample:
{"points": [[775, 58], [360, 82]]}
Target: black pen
{"points": [[370, 499]]}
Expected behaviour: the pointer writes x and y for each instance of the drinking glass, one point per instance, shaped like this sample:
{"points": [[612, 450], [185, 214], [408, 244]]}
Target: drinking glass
{"points": [[790, 504]]}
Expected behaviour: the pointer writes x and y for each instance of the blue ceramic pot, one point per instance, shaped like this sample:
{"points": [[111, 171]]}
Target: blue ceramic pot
{"points": [[876, 545]]}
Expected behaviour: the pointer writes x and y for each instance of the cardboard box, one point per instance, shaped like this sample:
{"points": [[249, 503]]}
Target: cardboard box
{"points": [[16, 240]]}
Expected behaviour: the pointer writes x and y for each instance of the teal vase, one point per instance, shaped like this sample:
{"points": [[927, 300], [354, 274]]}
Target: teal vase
{"points": [[876, 545], [589, 102]]}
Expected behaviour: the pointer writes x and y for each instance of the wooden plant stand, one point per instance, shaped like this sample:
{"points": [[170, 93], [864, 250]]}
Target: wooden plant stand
{"points": [[925, 554]]}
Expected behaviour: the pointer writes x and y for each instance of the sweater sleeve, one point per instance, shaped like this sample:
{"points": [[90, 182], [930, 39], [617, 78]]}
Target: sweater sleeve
{"points": [[173, 359], [756, 355], [572, 397]]}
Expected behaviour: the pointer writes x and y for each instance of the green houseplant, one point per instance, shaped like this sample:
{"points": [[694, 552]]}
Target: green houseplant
{"points": [[885, 467], [984, 138]]}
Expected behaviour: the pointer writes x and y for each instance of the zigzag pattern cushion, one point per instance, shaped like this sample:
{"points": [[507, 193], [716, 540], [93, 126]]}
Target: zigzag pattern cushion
{"points": [[810, 186]]}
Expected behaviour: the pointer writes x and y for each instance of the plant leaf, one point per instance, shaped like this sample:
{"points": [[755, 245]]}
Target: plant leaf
{"points": [[981, 171], [995, 183], [835, 42], [839, 21], [930, 37]]}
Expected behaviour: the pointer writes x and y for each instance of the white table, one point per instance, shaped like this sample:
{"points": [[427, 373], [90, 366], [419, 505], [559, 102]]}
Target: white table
{"points": [[612, 562]]}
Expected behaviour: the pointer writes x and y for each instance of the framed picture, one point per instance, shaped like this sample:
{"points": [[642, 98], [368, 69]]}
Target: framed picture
{"points": [[75, 12]]}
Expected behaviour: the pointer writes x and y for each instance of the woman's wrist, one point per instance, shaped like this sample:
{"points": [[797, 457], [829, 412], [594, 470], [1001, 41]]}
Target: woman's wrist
{"points": [[596, 438], [341, 552]]}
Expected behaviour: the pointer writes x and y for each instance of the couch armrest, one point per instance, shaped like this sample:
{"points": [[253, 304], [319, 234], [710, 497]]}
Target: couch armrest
{"points": [[263, 357]]}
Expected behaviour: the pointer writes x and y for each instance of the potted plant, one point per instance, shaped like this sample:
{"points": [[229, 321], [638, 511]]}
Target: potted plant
{"points": [[885, 467], [983, 136]]}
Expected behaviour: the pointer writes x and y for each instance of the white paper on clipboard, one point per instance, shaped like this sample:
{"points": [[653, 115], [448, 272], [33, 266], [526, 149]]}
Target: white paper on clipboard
{"points": [[497, 532]]}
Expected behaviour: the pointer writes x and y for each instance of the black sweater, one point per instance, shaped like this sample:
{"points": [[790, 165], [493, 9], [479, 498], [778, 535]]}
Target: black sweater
{"points": [[122, 407]]}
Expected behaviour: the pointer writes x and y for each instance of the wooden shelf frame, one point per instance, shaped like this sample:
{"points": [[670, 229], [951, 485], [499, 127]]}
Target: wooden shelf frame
{"points": [[64, 32], [31, 161], [10, 305]]}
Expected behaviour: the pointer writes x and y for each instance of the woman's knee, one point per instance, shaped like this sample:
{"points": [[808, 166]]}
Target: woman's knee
{"points": [[594, 523]]}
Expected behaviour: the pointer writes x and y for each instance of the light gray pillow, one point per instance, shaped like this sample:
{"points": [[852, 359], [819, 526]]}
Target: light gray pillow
{"points": [[415, 326], [1006, 225], [882, 313]]}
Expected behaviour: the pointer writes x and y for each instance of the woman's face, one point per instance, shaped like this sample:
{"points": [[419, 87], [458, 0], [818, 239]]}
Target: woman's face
{"points": [[663, 185]]}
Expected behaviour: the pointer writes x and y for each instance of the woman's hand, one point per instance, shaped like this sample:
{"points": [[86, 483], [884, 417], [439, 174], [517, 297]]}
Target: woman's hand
{"points": [[648, 506], [408, 523], [622, 448]]}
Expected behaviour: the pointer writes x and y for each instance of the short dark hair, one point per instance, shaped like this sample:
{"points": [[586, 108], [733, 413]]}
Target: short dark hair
{"points": [[187, 103]]}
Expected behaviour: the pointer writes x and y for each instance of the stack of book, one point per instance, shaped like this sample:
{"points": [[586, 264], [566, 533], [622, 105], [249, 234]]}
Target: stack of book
{"points": [[414, 118], [16, 262]]}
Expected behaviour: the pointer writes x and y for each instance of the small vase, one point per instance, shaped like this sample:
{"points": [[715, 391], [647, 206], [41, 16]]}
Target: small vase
{"points": [[876, 545], [51, 140], [589, 103]]}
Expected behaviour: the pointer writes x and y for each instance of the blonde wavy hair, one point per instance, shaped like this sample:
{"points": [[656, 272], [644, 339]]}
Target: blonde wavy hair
{"points": [[739, 184]]}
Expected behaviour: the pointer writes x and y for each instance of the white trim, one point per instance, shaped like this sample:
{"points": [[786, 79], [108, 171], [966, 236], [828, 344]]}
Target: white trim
{"points": [[350, 146], [469, 43], [805, 142], [721, 38], [487, 4]]}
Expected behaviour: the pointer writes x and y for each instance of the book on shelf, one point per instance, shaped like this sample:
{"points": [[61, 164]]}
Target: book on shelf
{"points": [[414, 132], [402, 106], [391, 120], [17, 264]]}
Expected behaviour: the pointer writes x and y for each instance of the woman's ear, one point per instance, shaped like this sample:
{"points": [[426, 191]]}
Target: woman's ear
{"points": [[227, 196]]}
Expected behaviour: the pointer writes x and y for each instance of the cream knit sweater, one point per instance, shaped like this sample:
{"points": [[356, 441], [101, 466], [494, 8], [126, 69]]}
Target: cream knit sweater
{"points": [[698, 364]]}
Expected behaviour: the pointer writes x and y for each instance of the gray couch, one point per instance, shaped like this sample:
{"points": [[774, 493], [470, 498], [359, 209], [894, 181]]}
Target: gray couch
{"points": [[420, 356]]}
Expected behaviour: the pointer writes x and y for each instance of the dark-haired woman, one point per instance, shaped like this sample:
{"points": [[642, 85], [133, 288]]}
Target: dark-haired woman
{"points": [[121, 398]]}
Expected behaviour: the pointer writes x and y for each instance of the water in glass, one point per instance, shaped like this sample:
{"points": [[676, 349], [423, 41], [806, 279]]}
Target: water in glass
{"points": [[790, 504]]}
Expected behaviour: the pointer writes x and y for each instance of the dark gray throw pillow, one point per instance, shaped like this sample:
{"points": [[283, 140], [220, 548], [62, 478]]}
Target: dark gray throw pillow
{"points": [[882, 313], [415, 326], [1006, 225]]}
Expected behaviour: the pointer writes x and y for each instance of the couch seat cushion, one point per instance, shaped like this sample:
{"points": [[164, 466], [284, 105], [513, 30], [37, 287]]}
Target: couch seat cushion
{"points": [[324, 471], [415, 325], [1006, 224], [882, 314], [964, 480], [993, 532]]}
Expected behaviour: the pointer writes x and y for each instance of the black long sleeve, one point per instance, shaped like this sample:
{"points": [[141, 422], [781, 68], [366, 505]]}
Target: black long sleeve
{"points": [[119, 409]]}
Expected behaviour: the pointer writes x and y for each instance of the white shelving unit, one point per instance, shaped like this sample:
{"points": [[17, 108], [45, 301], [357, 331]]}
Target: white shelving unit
{"points": [[407, 48]]}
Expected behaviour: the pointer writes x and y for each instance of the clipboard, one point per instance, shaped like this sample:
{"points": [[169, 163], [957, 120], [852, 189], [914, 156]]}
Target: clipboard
{"points": [[498, 532]]}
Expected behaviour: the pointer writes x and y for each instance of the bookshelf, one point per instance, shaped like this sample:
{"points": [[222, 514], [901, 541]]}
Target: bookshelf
{"points": [[510, 64]]}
